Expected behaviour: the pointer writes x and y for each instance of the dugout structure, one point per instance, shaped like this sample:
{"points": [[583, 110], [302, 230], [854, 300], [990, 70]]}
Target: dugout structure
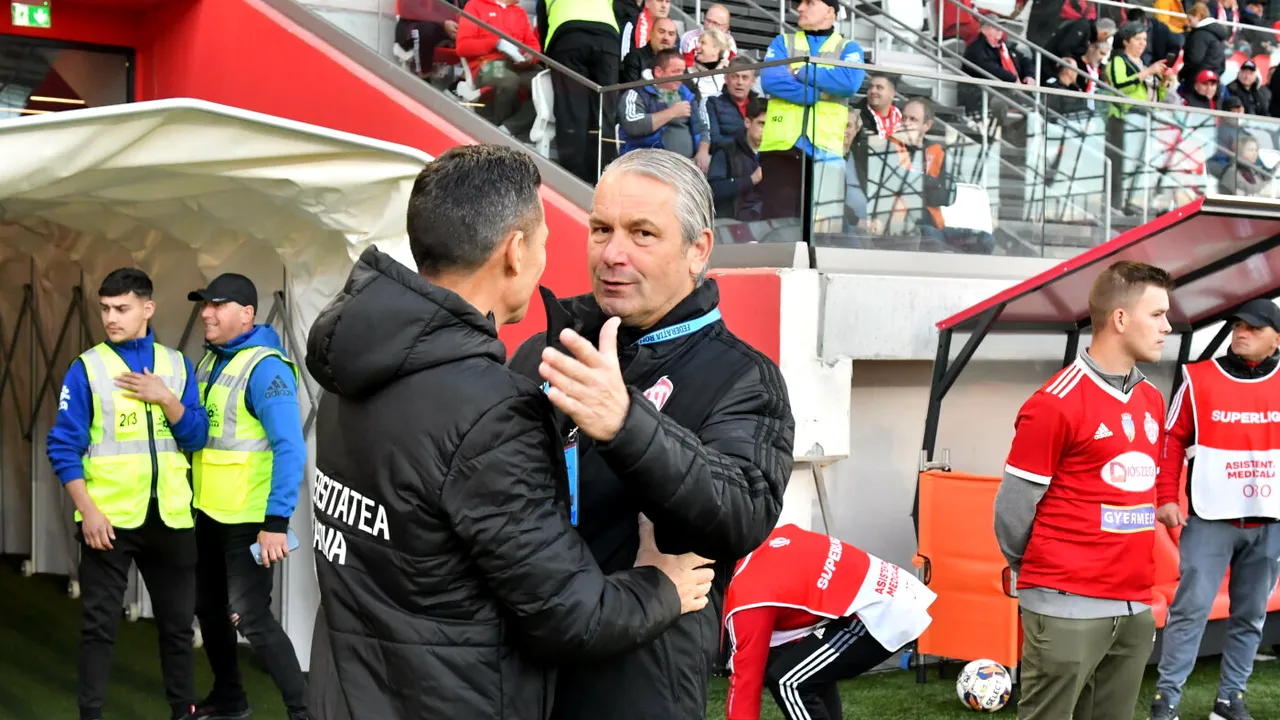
{"points": [[1222, 251], [185, 190]]}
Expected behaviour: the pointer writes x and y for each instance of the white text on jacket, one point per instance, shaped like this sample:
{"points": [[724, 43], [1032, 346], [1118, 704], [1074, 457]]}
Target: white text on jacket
{"points": [[337, 501], [829, 567]]}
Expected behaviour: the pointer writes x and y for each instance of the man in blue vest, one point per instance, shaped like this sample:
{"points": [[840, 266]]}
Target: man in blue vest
{"points": [[808, 112], [246, 488], [127, 413]]}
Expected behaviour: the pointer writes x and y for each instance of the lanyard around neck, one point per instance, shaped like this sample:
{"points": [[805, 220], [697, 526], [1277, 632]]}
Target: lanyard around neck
{"points": [[680, 330]]}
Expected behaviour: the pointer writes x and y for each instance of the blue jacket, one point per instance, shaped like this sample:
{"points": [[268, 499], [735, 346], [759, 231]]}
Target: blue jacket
{"points": [[803, 87], [724, 120], [273, 400], [68, 440], [635, 118]]}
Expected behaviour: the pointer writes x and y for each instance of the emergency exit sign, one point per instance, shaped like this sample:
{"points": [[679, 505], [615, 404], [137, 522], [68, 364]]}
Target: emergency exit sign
{"points": [[34, 16]]}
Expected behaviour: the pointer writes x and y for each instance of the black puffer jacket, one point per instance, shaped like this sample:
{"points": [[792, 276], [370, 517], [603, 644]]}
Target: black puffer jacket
{"points": [[709, 468], [450, 577]]}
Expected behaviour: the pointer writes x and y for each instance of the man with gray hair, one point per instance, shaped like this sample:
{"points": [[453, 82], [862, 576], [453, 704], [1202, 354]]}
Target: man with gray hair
{"points": [[662, 410], [450, 576]]}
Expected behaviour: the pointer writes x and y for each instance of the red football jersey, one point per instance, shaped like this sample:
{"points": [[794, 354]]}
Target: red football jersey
{"points": [[1096, 449]]}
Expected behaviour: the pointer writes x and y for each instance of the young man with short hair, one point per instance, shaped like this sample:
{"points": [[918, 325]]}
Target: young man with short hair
{"points": [[128, 412], [1075, 513]]}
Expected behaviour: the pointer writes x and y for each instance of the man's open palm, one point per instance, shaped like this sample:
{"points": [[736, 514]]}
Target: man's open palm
{"points": [[588, 387]]}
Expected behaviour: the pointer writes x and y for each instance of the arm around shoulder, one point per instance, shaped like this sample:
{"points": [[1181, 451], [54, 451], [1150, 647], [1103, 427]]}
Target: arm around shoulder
{"points": [[501, 497]]}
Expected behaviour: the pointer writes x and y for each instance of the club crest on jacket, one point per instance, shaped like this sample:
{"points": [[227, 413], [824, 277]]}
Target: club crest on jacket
{"points": [[660, 392]]}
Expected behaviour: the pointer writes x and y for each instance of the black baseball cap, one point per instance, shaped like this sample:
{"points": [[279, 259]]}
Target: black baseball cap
{"points": [[228, 287], [1259, 313]]}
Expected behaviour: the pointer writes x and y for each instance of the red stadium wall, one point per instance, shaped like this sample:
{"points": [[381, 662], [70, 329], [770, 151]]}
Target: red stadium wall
{"points": [[242, 53]]}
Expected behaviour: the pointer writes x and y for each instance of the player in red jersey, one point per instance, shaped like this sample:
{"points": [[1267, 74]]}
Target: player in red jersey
{"points": [[1075, 514], [805, 610]]}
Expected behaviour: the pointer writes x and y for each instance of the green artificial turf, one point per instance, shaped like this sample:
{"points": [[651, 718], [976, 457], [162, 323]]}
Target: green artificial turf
{"points": [[39, 626], [895, 695], [39, 634]]}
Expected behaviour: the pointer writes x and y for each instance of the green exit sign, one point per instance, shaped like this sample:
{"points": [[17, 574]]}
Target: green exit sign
{"points": [[35, 16]]}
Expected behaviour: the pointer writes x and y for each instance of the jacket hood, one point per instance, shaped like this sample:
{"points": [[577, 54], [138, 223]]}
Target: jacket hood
{"points": [[259, 336], [388, 322]]}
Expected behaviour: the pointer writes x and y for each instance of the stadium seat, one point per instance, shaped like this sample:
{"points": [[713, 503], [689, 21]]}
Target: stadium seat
{"points": [[544, 128]]}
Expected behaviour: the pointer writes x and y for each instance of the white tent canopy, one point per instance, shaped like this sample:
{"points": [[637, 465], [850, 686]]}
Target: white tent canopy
{"points": [[185, 190]]}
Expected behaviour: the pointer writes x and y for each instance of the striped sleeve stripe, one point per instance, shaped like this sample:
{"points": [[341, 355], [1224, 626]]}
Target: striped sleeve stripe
{"points": [[1066, 381], [1175, 407], [1028, 476]]}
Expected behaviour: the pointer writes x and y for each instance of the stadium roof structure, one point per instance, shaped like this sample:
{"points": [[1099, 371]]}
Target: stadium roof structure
{"points": [[1222, 250]]}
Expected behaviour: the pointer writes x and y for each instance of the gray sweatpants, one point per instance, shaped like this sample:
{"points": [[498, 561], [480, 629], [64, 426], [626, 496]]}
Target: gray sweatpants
{"points": [[1206, 549]]}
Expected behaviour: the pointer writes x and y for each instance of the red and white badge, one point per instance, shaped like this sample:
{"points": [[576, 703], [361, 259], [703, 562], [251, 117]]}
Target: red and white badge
{"points": [[660, 392]]}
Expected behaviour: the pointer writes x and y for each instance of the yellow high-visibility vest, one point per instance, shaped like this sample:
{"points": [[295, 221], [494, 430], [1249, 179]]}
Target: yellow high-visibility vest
{"points": [[117, 466], [824, 123], [233, 471], [562, 11]]}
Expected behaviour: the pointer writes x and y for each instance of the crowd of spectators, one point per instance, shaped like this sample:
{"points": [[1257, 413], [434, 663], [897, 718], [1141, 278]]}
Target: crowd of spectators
{"points": [[1148, 50]]}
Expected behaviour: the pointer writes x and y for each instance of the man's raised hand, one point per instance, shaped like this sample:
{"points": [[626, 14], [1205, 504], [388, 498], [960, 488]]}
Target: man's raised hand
{"points": [[588, 387]]}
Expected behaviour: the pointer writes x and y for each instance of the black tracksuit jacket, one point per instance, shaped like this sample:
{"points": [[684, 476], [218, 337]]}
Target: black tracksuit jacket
{"points": [[709, 469]]}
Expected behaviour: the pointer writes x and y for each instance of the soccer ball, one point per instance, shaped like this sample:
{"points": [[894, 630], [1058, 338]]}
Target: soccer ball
{"points": [[984, 686]]}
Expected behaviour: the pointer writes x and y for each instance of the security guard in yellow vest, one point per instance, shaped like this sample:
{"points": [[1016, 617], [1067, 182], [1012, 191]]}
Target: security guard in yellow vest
{"points": [[127, 413], [246, 488], [808, 111], [583, 36]]}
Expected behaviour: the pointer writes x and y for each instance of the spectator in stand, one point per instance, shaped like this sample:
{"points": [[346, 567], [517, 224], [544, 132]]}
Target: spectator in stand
{"points": [[937, 189], [1073, 40], [993, 55], [423, 26], [499, 63], [857, 221], [1262, 40], [1204, 92], [793, 148], [1226, 11], [715, 18], [727, 111], [735, 173], [1229, 132], [1068, 78], [712, 54], [1161, 42], [1250, 177], [1126, 73], [637, 35], [638, 64], [1255, 97], [1046, 16], [879, 115], [1095, 63], [1173, 17], [1206, 46], [582, 35], [664, 115], [988, 56]]}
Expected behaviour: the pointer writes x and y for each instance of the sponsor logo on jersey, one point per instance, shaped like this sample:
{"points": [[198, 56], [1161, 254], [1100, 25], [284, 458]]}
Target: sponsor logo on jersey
{"points": [[779, 542], [1128, 519], [1103, 432], [660, 392], [1126, 422], [1246, 418], [1131, 471], [1152, 428]]}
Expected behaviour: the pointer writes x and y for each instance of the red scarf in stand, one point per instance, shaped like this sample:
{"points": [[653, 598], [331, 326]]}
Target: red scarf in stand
{"points": [[1006, 60], [889, 124]]}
